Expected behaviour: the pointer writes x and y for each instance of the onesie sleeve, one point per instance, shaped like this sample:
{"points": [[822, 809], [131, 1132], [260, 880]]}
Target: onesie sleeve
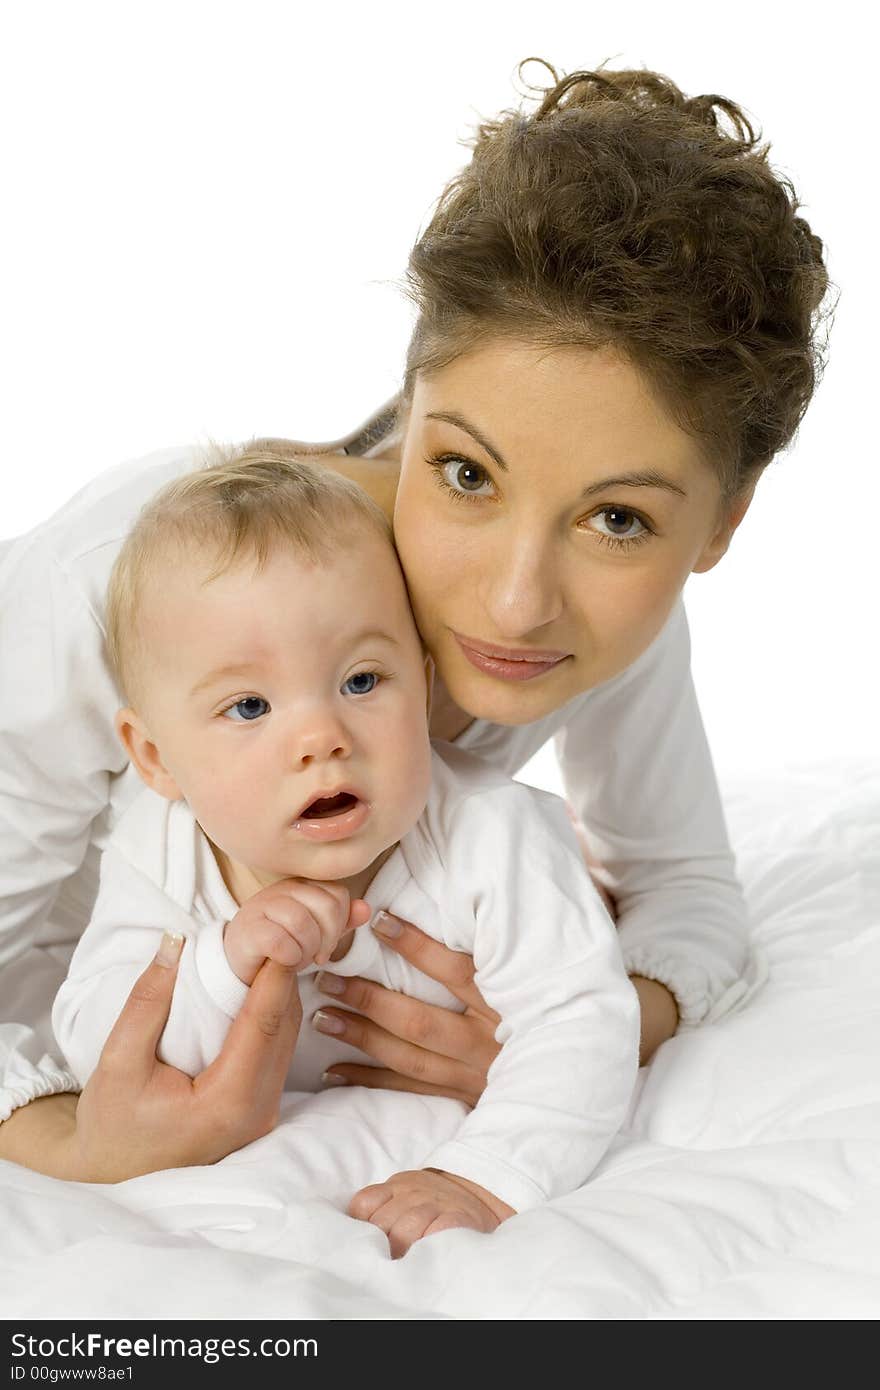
{"points": [[548, 961], [58, 751], [132, 911], [638, 773]]}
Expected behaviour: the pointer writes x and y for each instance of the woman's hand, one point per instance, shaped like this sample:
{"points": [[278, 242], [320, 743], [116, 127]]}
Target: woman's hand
{"points": [[419, 1047], [137, 1115], [424, 1048]]}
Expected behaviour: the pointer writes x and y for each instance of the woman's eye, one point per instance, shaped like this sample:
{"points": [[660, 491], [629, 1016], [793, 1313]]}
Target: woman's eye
{"points": [[461, 476], [618, 523], [247, 710], [361, 683]]}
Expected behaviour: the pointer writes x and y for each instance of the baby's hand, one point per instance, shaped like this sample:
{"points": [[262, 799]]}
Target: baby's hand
{"points": [[294, 922], [411, 1205]]}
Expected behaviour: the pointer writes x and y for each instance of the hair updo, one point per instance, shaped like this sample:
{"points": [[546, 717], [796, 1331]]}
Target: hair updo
{"points": [[621, 213]]}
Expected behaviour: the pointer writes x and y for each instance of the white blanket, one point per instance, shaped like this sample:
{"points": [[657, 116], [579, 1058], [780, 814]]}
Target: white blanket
{"points": [[746, 1184]]}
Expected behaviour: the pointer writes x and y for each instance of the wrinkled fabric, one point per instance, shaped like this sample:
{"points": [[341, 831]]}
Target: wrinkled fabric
{"points": [[744, 1185]]}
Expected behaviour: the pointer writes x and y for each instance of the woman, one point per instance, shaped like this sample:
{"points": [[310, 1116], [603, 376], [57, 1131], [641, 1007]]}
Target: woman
{"points": [[617, 331]]}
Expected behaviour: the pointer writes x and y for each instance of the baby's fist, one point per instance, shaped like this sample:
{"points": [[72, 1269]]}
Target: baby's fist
{"points": [[294, 922], [415, 1204]]}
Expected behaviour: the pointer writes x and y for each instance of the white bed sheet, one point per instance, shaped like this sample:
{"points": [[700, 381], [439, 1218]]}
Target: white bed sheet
{"points": [[745, 1185]]}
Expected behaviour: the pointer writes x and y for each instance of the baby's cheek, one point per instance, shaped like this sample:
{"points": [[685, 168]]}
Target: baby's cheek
{"points": [[416, 770], [406, 780], [227, 817]]}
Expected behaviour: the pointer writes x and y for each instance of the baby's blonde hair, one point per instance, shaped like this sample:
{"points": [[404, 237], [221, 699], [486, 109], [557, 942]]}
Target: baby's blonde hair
{"points": [[241, 502]]}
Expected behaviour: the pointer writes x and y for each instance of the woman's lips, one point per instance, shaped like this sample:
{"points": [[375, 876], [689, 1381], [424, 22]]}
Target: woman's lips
{"points": [[508, 663], [337, 827]]}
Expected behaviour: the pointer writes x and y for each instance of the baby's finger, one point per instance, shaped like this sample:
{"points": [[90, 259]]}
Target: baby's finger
{"points": [[336, 891], [364, 1203], [359, 913], [272, 940], [299, 924], [329, 905], [403, 1217], [451, 1221], [409, 1225]]}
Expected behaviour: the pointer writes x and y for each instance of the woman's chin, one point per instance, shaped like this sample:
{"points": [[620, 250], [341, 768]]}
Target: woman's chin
{"points": [[510, 702]]}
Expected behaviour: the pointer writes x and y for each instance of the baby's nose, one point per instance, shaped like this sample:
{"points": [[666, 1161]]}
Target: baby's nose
{"points": [[320, 738]]}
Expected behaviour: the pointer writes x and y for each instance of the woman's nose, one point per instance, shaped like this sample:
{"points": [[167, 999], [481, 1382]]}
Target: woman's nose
{"points": [[522, 591]]}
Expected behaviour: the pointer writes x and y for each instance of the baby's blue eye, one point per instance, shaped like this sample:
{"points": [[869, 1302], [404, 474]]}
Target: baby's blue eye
{"points": [[250, 708], [362, 683]]}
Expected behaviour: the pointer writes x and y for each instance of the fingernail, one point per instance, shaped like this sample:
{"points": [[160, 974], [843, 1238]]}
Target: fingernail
{"points": [[330, 1078], [169, 951], [329, 984], [386, 925], [327, 1023]]}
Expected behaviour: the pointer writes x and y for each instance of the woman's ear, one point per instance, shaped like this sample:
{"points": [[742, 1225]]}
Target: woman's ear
{"points": [[732, 514], [144, 753]]}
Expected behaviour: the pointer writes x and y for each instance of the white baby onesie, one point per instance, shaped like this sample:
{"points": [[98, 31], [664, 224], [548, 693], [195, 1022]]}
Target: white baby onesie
{"points": [[492, 868]]}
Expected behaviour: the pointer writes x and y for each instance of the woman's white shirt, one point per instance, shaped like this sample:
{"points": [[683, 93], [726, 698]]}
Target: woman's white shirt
{"points": [[634, 758]]}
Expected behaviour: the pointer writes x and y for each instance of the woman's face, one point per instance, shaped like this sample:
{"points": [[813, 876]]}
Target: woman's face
{"points": [[548, 514]]}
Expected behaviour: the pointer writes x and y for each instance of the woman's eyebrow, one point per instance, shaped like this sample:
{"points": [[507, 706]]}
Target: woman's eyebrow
{"points": [[452, 419], [649, 478]]}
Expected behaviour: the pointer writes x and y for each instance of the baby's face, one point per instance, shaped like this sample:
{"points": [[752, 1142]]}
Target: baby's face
{"points": [[289, 705]]}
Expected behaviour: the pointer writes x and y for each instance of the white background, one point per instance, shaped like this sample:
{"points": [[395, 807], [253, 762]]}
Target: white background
{"points": [[208, 206]]}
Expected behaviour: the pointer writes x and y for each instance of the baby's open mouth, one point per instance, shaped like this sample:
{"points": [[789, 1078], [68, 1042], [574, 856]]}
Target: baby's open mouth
{"points": [[334, 816], [326, 806]]}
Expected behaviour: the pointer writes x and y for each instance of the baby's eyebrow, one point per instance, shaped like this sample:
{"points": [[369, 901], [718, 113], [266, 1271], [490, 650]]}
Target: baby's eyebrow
{"points": [[374, 634], [221, 673], [245, 668]]}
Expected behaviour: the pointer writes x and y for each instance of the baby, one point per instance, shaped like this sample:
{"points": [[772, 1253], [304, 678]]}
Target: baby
{"points": [[259, 624]]}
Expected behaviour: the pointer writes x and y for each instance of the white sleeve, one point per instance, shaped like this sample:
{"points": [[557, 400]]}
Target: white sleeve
{"points": [[58, 747], [131, 913], [57, 752], [548, 961], [638, 772]]}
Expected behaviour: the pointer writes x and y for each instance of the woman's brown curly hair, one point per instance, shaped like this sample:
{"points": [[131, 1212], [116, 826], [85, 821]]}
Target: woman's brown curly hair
{"points": [[621, 213]]}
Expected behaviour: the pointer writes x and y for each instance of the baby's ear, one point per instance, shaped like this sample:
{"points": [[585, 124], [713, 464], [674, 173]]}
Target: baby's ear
{"points": [[144, 753]]}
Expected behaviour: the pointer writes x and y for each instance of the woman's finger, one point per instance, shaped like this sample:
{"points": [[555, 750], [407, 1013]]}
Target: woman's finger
{"points": [[258, 1048], [380, 1079], [131, 1045], [454, 969], [392, 1052], [429, 1026]]}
